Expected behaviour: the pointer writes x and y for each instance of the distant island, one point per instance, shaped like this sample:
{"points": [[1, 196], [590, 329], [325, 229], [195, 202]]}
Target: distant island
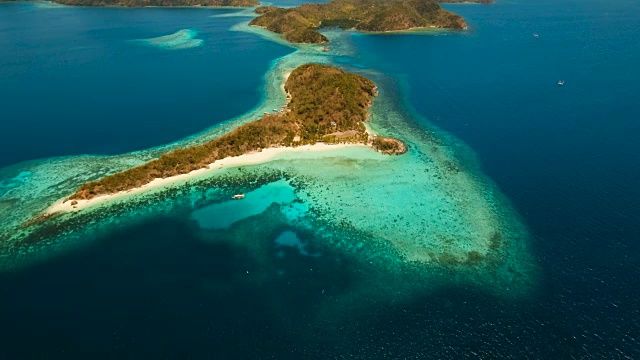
{"points": [[326, 105], [301, 24], [159, 3], [466, 1], [220, 3]]}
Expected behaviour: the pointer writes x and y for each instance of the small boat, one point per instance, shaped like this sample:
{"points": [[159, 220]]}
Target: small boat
{"points": [[561, 82], [535, 35], [238, 196]]}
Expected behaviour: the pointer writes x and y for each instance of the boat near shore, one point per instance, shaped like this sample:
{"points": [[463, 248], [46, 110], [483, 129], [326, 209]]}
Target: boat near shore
{"points": [[238, 197]]}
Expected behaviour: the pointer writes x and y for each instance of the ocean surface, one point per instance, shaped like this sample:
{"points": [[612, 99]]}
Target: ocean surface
{"points": [[175, 284], [83, 81]]}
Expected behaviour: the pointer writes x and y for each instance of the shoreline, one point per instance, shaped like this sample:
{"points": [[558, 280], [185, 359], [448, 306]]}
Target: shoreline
{"points": [[412, 30], [227, 7], [66, 205], [369, 221], [181, 161]]}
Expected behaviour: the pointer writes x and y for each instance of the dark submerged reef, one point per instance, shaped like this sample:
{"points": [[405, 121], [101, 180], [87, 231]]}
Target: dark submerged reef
{"points": [[164, 275]]}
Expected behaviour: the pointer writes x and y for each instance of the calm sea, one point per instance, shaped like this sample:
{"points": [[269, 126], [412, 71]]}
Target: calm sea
{"points": [[565, 156], [73, 82]]}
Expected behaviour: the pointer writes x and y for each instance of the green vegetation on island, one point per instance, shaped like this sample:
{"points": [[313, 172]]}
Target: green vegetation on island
{"points": [[465, 1], [160, 3], [326, 104], [301, 24]]}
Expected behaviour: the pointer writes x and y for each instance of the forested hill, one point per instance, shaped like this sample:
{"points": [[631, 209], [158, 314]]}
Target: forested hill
{"points": [[300, 24], [465, 1], [326, 105], [167, 3]]}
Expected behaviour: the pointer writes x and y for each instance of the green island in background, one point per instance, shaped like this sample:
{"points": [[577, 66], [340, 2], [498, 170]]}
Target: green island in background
{"points": [[370, 7], [159, 3], [301, 24]]}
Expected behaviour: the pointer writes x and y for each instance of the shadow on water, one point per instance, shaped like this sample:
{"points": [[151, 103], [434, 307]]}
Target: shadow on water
{"points": [[166, 288], [163, 289]]}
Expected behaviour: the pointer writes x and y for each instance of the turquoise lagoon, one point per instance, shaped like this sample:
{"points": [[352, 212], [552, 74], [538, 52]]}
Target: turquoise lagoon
{"points": [[344, 252], [424, 208]]}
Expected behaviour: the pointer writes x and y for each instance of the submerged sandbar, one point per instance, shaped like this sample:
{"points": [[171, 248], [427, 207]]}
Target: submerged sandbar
{"points": [[160, 3]]}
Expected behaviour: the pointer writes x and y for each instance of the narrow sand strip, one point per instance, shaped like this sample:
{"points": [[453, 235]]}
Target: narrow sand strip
{"points": [[263, 156]]}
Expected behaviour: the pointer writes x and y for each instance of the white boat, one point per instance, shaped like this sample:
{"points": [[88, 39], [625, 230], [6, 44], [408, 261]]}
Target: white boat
{"points": [[238, 196], [535, 35], [560, 82]]}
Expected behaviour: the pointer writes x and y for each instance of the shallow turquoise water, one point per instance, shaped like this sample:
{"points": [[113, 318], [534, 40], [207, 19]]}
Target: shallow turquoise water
{"points": [[225, 214], [182, 272], [180, 40]]}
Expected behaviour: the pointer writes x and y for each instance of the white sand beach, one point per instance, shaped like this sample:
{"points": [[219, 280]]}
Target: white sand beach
{"points": [[266, 155]]}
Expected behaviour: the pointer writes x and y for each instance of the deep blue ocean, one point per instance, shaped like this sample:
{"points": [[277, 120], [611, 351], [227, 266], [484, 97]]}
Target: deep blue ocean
{"points": [[565, 156], [72, 81]]}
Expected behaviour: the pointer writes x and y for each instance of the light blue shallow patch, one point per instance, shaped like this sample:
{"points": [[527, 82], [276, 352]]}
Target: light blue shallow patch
{"points": [[14, 182], [45, 5], [181, 39], [291, 239], [223, 215]]}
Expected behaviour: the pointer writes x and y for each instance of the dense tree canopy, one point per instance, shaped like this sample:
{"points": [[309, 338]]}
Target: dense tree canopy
{"points": [[142, 3], [300, 24]]}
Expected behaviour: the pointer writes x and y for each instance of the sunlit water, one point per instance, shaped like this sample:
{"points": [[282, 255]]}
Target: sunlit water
{"points": [[109, 81], [348, 253]]}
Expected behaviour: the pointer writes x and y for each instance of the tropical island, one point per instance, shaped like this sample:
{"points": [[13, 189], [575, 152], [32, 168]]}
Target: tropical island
{"points": [[194, 3], [466, 1], [159, 3], [325, 105], [301, 24]]}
